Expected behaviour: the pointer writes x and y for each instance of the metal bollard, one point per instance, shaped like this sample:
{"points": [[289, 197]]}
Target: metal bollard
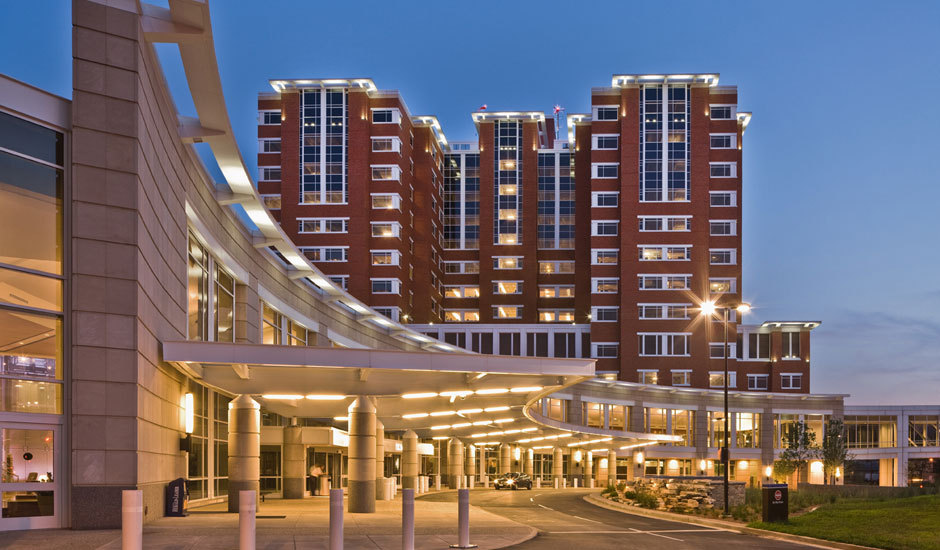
{"points": [[538, 483], [463, 520], [437, 482], [132, 520], [556, 482], [247, 509], [472, 480], [576, 480], [564, 483], [336, 519], [407, 519]]}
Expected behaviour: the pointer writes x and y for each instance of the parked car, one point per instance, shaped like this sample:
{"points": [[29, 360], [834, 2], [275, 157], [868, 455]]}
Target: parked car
{"points": [[513, 480]]}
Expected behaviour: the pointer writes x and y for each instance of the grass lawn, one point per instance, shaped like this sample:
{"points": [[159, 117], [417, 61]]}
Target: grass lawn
{"points": [[900, 523]]}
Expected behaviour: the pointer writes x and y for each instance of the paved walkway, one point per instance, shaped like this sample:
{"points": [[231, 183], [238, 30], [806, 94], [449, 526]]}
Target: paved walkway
{"points": [[305, 525]]}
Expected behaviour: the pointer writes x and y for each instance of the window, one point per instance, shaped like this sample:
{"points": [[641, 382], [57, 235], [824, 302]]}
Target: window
{"points": [[461, 267], [386, 173], [791, 345], [723, 198], [224, 306], [722, 169], [603, 256], [557, 409], [385, 286], [604, 350], [270, 146], [667, 253], [386, 145], [461, 315], [604, 228], [606, 112], [721, 285], [717, 228], [663, 311], [386, 229], [681, 378], [507, 262], [339, 280], [757, 382], [617, 417], [390, 312], [271, 202], [664, 344], [605, 142], [211, 306], [270, 117], [665, 282], [386, 201], [270, 173], [550, 268], [758, 346], [323, 225], [593, 414], [604, 171], [507, 287], [665, 223], [723, 141], [556, 291], [715, 350], [721, 256], [326, 253], [604, 286], [556, 315], [456, 291], [507, 312], [716, 379], [791, 381], [386, 116], [923, 430], [746, 430], [272, 331], [721, 112], [605, 314], [385, 257], [607, 199], [649, 377]]}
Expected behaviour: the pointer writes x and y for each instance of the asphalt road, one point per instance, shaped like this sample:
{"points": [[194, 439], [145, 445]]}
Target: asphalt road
{"points": [[564, 520]]}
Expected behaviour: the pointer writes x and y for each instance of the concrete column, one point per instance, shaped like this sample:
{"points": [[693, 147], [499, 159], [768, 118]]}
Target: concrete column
{"points": [[471, 461], [379, 460], [602, 471], [455, 471], [362, 456], [409, 460], [244, 448], [588, 468], [294, 461], [505, 459], [557, 466], [612, 467], [529, 462]]}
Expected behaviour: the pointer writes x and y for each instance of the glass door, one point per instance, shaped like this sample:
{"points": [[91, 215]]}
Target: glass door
{"points": [[30, 470]]}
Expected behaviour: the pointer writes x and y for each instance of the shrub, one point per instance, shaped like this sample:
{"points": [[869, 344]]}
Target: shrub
{"points": [[629, 494]]}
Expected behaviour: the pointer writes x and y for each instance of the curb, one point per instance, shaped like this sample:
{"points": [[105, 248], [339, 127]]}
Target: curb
{"points": [[734, 527]]}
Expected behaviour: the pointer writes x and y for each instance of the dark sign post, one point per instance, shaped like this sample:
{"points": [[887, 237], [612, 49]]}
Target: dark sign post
{"points": [[775, 502], [176, 496]]}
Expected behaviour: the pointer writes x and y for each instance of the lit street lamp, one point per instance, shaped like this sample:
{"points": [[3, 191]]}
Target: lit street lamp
{"points": [[709, 308]]}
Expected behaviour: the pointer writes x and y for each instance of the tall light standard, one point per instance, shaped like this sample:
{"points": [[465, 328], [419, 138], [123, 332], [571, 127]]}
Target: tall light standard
{"points": [[708, 309]]}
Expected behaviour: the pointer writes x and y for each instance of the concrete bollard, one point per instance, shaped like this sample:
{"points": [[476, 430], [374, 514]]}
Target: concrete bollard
{"points": [[336, 519], [576, 483], [556, 483], [463, 520], [437, 482], [538, 483], [132, 520], [247, 510], [472, 482], [486, 481], [591, 483], [407, 519], [564, 483]]}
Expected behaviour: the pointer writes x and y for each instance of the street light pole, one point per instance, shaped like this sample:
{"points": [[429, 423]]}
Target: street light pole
{"points": [[726, 453]]}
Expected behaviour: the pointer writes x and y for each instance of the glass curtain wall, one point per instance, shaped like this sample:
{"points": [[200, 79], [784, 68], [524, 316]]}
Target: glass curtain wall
{"points": [[32, 218]]}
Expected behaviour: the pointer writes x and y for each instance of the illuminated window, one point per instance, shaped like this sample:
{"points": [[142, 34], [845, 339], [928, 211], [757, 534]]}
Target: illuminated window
{"points": [[648, 377], [681, 378], [507, 312], [507, 287], [507, 262]]}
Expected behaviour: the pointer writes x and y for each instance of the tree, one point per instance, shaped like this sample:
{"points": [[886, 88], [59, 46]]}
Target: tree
{"points": [[799, 447], [835, 450]]}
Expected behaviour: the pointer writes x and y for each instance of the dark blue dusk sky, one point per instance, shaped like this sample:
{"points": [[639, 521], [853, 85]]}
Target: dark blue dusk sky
{"points": [[841, 188]]}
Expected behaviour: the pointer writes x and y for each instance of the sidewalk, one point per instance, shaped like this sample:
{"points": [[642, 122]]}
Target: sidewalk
{"points": [[304, 525]]}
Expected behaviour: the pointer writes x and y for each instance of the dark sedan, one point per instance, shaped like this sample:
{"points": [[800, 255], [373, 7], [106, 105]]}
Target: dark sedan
{"points": [[514, 480]]}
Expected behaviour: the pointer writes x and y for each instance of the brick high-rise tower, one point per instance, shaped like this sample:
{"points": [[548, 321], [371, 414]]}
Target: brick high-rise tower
{"points": [[605, 244]]}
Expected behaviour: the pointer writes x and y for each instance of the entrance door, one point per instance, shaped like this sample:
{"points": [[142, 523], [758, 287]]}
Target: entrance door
{"points": [[30, 476], [330, 461]]}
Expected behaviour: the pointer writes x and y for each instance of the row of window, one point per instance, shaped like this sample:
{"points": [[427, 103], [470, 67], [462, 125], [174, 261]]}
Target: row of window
{"points": [[716, 112]]}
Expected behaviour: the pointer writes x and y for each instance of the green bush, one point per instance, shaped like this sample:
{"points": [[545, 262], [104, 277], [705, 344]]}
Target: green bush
{"points": [[647, 499], [629, 494], [609, 491]]}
